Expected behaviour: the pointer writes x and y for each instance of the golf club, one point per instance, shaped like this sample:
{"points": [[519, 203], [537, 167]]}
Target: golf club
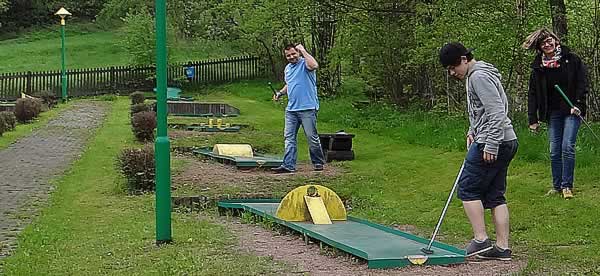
{"points": [[427, 250], [272, 89], [572, 106]]}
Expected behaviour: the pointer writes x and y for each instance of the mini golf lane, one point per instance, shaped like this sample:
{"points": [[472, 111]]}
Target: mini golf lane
{"points": [[380, 246], [258, 161]]}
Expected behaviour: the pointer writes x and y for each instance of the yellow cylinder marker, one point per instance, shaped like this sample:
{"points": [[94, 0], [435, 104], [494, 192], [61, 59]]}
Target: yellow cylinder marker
{"points": [[210, 123], [219, 123]]}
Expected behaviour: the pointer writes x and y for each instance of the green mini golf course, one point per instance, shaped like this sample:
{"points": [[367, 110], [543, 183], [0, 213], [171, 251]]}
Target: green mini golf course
{"points": [[258, 161], [380, 246]]}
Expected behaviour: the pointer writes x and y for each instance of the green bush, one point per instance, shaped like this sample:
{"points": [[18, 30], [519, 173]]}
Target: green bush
{"points": [[3, 126], [27, 109], [137, 98], [143, 125], [137, 165], [49, 98], [10, 120], [136, 108]]}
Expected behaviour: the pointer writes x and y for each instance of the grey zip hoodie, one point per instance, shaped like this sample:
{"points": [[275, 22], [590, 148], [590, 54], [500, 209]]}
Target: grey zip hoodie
{"points": [[488, 107]]}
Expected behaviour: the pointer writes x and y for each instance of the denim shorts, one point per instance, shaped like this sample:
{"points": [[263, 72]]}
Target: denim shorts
{"points": [[486, 182]]}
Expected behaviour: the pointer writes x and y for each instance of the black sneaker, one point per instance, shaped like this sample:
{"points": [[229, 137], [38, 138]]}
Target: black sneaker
{"points": [[281, 169], [496, 254], [476, 247], [318, 167]]}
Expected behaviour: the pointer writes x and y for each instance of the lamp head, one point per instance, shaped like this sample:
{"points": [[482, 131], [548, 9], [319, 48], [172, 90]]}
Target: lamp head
{"points": [[62, 13]]}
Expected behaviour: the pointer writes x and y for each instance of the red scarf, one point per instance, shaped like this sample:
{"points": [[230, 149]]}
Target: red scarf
{"points": [[552, 62]]}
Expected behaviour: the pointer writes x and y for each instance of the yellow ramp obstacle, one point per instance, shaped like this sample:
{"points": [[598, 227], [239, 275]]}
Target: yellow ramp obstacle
{"points": [[234, 150], [314, 203]]}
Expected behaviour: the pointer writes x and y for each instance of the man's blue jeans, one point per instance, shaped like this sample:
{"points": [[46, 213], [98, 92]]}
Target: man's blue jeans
{"points": [[308, 120], [562, 134]]}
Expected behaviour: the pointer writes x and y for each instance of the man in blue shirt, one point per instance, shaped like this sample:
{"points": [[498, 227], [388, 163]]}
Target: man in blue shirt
{"points": [[302, 108]]}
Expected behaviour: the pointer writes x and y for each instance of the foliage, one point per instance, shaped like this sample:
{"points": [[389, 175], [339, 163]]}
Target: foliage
{"points": [[137, 165], [140, 37], [49, 98], [26, 109], [3, 6], [18, 14], [9, 120], [137, 98], [3, 126], [139, 40], [143, 125], [136, 108], [117, 10]]}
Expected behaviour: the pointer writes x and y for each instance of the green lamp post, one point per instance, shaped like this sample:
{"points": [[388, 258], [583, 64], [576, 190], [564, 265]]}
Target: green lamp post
{"points": [[162, 144], [63, 13]]}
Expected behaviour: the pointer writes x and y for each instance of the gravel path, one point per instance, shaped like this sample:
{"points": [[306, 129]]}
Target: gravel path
{"points": [[28, 165]]}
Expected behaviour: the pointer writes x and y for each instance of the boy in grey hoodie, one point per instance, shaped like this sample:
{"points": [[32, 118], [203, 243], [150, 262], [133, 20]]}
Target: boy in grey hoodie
{"points": [[492, 144]]}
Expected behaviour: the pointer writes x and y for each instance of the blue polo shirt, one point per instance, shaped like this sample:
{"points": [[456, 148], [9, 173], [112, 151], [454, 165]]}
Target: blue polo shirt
{"points": [[302, 87]]}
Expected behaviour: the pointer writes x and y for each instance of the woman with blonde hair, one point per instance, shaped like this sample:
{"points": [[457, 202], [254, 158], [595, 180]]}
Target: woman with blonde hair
{"points": [[553, 65]]}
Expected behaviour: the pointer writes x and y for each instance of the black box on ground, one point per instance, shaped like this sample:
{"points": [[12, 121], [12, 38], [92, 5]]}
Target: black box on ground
{"points": [[337, 146]]}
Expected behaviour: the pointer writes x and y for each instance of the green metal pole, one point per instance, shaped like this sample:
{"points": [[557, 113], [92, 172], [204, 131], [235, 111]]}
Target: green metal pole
{"points": [[64, 67], [162, 145]]}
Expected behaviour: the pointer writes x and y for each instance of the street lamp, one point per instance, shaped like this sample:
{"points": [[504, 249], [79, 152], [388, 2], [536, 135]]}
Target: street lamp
{"points": [[63, 13]]}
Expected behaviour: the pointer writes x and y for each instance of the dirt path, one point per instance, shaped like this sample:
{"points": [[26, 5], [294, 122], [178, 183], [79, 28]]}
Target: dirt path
{"points": [[310, 260]]}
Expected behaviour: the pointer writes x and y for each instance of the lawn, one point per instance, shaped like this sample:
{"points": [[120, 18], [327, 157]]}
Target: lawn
{"points": [[91, 227], [406, 164], [90, 47]]}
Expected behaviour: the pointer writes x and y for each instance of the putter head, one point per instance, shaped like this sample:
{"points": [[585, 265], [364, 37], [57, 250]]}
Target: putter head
{"points": [[427, 251]]}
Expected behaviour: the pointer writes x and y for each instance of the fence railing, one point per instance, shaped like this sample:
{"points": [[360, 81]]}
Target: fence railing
{"points": [[124, 79]]}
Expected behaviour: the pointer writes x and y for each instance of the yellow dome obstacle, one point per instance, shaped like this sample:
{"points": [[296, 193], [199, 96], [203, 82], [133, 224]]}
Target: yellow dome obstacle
{"points": [[314, 203]]}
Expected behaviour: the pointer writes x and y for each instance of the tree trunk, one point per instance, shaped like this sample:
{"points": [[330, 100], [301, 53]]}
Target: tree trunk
{"points": [[323, 34], [559, 18]]}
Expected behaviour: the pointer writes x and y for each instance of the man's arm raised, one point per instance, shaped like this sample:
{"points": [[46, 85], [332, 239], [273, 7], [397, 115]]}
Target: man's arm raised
{"points": [[311, 63]]}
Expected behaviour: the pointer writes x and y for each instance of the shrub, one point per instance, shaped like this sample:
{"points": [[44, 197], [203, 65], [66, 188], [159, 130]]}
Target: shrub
{"points": [[3, 126], [10, 120], [137, 165], [136, 108], [143, 125], [137, 98], [49, 98], [27, 109]]}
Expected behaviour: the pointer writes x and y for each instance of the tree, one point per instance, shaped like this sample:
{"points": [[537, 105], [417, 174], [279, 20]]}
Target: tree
{"points": [[559, 18], [3, 6]]}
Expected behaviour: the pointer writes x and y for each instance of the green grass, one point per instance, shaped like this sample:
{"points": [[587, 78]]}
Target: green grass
{"points": [[88, 46], [22, 130], [406, 164], [91, 228]]}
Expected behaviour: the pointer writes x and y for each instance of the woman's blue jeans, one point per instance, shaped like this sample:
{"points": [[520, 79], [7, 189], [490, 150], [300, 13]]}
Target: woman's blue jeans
{"points": [[562, 134]]}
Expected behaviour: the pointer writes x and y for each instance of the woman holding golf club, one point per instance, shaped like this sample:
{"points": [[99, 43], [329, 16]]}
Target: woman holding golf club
{"points": [[554, 65]]}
